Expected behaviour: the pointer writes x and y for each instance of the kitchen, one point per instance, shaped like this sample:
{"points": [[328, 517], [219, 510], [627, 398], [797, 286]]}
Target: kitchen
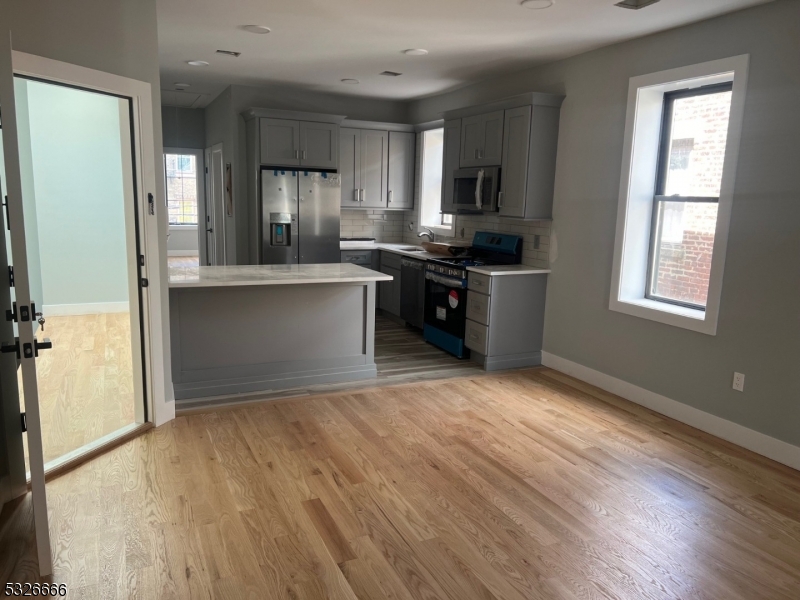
{"points": [[312, 180]]}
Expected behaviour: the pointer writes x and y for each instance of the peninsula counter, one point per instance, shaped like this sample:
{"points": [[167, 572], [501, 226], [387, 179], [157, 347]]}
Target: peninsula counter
{"points": [[244, 329]]}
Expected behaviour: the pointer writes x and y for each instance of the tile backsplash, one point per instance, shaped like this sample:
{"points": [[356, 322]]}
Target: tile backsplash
{"points": [[467, 225], [383, 225]]}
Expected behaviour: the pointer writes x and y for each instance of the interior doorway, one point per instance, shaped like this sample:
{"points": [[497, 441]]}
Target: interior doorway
{"points": [[81, 224]]}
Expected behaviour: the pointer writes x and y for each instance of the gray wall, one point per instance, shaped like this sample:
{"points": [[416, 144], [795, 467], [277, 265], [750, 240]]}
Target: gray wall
{"points": [[116, 36], [759, 323], [183, 127]]}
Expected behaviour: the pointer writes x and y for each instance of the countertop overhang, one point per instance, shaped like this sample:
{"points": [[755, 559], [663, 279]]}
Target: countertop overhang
{"points": [[242, 275]]}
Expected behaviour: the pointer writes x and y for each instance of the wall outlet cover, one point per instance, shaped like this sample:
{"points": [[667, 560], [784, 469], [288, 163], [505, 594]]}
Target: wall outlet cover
{"points": [[738, 382]]}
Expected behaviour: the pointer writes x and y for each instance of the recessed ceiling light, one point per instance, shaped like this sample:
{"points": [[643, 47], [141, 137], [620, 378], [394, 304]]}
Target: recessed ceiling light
{"points": [[635, 4], [415, 52], [351, 81], [181, 86], [256, 28], [197, 63], [537, 4], [391, 73]]}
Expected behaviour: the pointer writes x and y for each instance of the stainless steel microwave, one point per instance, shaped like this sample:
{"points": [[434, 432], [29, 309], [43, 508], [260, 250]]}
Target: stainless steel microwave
{"points": [[475, 190]]}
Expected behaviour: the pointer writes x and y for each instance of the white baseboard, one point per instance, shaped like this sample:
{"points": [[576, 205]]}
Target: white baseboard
{"points": [[94, 308], [760, 443], [183, 252]]}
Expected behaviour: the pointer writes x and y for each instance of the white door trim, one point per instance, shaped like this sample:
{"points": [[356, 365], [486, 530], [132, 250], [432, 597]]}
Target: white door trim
{"points": [[160, 408]]}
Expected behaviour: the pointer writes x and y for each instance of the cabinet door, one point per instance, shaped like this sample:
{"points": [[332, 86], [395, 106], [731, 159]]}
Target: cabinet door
{"points": [[516, 144], [402, 147], [280, 142], [319, 145], [471, 141], [350, 166], [491, 152], [390, 291], [450, 162], [374, 163]]}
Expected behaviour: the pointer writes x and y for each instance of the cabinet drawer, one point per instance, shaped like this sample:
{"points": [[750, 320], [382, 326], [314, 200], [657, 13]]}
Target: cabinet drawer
{"points": [[476, 337], [390, 259], [478, 307], [357, 257], [480, 283]]}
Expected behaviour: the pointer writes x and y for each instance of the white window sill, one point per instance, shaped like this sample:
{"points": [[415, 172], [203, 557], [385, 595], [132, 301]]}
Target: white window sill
{"points": [[669, 314]]}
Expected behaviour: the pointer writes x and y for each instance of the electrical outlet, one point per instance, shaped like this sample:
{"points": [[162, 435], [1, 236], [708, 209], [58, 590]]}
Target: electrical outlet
{"points": [[738, 382]]}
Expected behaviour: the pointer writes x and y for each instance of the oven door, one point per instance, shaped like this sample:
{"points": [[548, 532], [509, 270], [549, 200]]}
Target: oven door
{"points": [[446, 312], [475, 190]]}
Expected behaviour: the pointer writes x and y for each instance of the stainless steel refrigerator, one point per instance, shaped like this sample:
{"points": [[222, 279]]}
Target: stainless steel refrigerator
{"points": [[299, 217]]}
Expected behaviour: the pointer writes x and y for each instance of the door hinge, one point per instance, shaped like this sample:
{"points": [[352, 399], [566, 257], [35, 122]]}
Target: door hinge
{"points": [[24, 420], [8, 218], [151, 205], [145, 283], [11, 315], [10, 276], [141, 260]]}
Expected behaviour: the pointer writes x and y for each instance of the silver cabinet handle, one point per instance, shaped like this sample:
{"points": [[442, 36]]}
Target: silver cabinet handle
{"points": [[297, 154], [500, 200], [480, 153], [391, 193], [476, 153], [355, 194], [361, 195], [473, 336], [305, 155]]}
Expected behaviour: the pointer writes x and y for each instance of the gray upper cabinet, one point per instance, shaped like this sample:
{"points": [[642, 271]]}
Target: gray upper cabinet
{"points": [[530, 142], [482, 140], [350, 166], [288, 143], [514, 181], [280, 142], [377, 168], [319, 145], [374, 168], [450, 158], [402, 146]]}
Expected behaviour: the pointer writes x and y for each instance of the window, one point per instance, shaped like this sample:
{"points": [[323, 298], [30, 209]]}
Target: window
{"points": [[694, 135], [431, 182], [676, 191], [181, 183]]}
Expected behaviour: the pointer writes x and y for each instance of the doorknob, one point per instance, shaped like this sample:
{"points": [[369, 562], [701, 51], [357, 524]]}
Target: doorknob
{"points": [[45, 344]]}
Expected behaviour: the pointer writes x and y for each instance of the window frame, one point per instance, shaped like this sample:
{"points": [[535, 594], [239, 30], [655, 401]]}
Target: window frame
{"points": [[639, 163], [445, 230], [199, 175], [662, 172]]}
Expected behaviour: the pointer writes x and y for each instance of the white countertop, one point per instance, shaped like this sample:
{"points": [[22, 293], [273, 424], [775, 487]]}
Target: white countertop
{"points": [[395, 248], [494, 270], [189, 277]]}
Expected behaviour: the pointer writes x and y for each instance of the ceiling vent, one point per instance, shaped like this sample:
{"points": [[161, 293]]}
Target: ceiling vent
{"points": [[391, 74], [229, 53], [635, 4]]}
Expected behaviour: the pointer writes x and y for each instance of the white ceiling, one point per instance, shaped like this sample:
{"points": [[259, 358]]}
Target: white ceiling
{"points": [[316, 43]]}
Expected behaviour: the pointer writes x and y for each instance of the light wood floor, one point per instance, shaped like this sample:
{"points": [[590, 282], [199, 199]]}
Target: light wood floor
{"points": [[85, 381], [509, 487]]}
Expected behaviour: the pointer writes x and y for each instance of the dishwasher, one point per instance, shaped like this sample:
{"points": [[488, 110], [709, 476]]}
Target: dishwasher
{"points": [[412, 292]]}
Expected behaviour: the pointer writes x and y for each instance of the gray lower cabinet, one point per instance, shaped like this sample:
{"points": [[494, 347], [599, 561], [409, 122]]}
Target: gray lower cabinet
{"points": [[505, 320], [451, 153], [402, 148], [289, 143], [390, 290]]}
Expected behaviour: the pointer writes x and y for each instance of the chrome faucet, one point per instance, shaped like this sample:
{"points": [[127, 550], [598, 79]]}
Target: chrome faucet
{"points": [[428, 232]]}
